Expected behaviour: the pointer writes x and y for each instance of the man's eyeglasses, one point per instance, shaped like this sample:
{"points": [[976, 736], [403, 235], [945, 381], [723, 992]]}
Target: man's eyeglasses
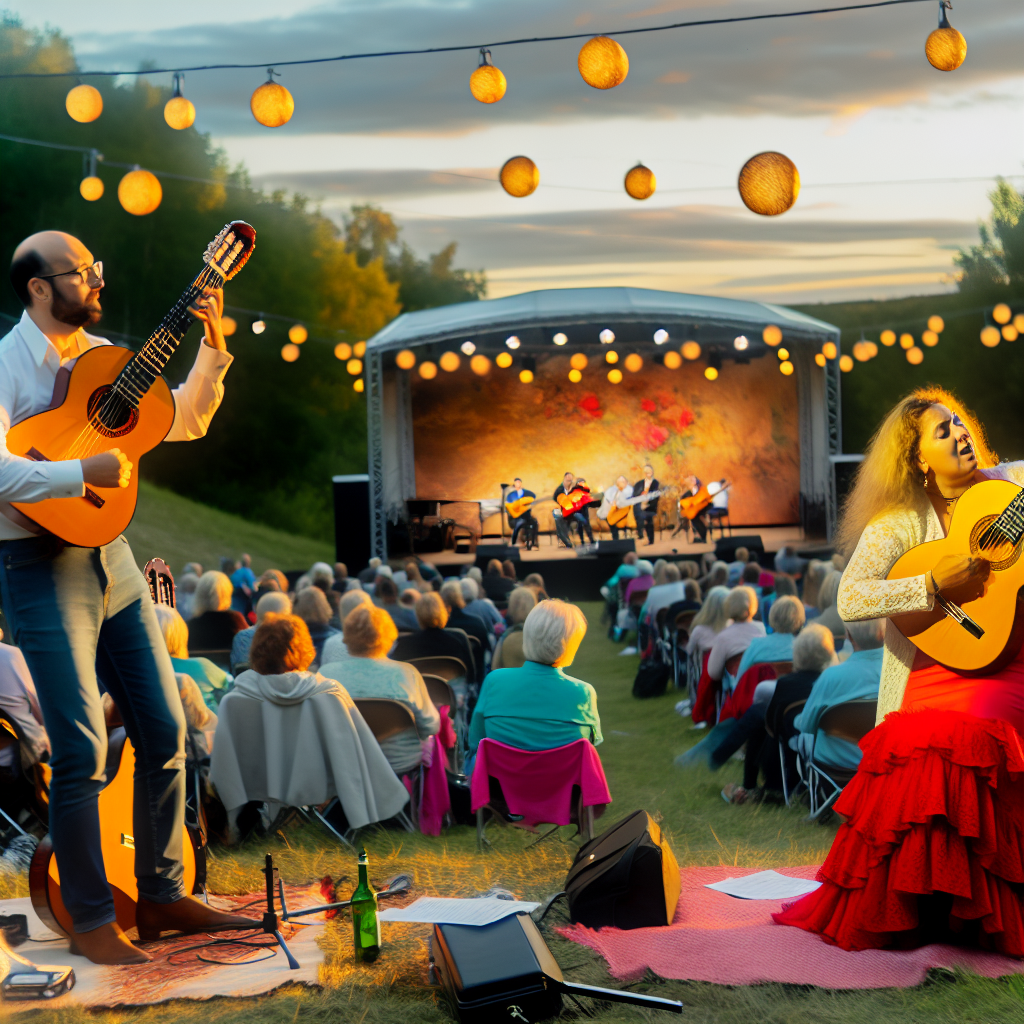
{"points": [[92, 276]]}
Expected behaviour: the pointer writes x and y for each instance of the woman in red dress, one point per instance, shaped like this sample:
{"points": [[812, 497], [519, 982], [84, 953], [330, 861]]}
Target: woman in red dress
{"points": [[932, 845]]}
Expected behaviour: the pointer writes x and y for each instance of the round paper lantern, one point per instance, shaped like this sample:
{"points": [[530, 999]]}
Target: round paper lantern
{"points": [[872, 349], [611, 356], [769, 184], [480, 365], [91, 188], [1002, 314], [1010, 333], [603, 63], [512, 342], [272, 104], [640, 182], [741, 343], [711, 373], [887, 338], [578, 361], [634, 363], [343, 351], [179, 113], [468, 348], [860, 353], [290, 352], [228, 325], [297, 334], [1018, 322], [606, 336], [449, 362], [615, 376], [660, 336], [359, 386], [906, 341], [673, 360], [503, 359], [936, 324], [139, 192], [820, 359], [691, 350], [519, 176], [258, 326], [930, 338], [359, 349], [845, 364], [945, 48], [526, 376], [428, 370], [915, 356], [990, 336], [771, 335], [783, 354], [786, 367], [560, 339], [354, 367], [84, 103], [575, 376], [829, 350], [487, 83], [406, 359]]}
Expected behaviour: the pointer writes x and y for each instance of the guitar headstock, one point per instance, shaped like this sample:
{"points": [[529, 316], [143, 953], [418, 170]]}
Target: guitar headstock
{"points": [[230, 250]]}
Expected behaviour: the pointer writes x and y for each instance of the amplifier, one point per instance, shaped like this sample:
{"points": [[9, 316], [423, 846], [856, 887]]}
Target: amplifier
{"points": [[616, 547], [485, 552], [725, 548]]}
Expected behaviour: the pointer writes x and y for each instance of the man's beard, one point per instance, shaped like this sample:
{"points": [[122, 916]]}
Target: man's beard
{"points": [[75, 314]]}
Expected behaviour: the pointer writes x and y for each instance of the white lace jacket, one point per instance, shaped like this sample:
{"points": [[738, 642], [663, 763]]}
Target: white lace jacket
{"points": [[865, 593]]}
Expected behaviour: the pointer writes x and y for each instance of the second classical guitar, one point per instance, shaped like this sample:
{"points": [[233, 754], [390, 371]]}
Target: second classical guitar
{"points": [[116, 398], [621, 511], [973, 633]]}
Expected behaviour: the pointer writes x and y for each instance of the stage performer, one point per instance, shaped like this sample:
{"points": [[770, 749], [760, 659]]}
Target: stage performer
{"points": [[619, 491], [931, 844], [526, 521], [699, 521], [84, 615], [563, 523], [646, 510]]}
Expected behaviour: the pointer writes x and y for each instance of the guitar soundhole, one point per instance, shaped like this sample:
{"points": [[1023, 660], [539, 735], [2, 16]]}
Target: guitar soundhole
{"points": [[1003, 555], [117, 417]]}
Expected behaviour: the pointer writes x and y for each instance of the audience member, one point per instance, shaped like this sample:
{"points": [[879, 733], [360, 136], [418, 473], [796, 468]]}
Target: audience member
{"points": [[369, 574], [214, 622], [459, 618], [626, 571], [661, 595], [271, 602], [536, 583], [19, 703], [334, 646], [341, 579], [478, 606], [193, 567], [708, 622], [312, 607], [386, 595], [185, 593], [320, 575], [784, 586], [786, 619], [273, 579], [509, 650], [828, 613], [408, 598], [814, 576], [737, 565], [789, 562], [740, 607], [243, 577], [200, 722], [716, 576], [642, 581], [212, 680], [751, 576], [497, 586], [369, 634], [508, 567], [659, 572], [414, 578], [434, 640]]}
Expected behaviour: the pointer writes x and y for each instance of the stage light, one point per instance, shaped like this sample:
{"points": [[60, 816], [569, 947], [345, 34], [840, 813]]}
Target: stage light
{"points": [[359, 349], [139, 192], [660, 336], [468, 348], [449, 362], [258, 326], [297, 334], [512, 342], [1010, 333], [606, 336], [845, 364], [611, 356], [783, 354], [487, 83], [519, 176], [503, 359], [406, 359], [428, 370], [634, 363], [936, 324], [673, 360], [480, 365], [615, 376], [290, 352], [1018, 322], [578, 361], [179, 112], [820, 359], [711, 372], [740, 343], [560, 339], [906, 341], [272, 104], [786, 368], [990, 336], [343, 351], [575, 376], [526, 376], [915, 356], [945, 48], [887, 338], [1001, 314], [769, 184], [691, 350], [359, 385], [354, 367], [228, 325], [771, 335], [91, 188], [640, 182], [84, 103], [930, 338], [603, 63], [829, 350]]}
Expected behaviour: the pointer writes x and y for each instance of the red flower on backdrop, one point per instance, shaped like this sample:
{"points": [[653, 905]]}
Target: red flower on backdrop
{"points": [[647, 405], [685, 419], [654, 437], [589, 403]]}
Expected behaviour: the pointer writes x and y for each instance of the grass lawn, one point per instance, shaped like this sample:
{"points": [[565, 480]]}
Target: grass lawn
{"points": [[641, 739]]}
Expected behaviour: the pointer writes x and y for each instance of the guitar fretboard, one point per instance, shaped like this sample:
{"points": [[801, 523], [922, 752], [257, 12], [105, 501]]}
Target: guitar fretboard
{"points": [[1008, 526]]}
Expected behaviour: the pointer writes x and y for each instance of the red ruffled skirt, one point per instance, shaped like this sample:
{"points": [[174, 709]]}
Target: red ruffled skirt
{"points": [[936, 807]]}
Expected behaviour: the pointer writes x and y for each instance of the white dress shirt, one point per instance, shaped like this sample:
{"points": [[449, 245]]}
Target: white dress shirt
{"points": [[29, 362], [19, 702], [612, 496]]}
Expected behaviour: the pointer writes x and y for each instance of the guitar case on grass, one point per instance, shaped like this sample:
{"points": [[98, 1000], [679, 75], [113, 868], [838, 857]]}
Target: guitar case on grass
{"points": [[651, 679]]}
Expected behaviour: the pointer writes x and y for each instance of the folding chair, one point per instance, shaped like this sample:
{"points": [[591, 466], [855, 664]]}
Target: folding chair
{"points": [[441, 692], [850, 721], [24, 796], [221, 657], [727, 683], [447, 666], [787, 711], [387, 718]]}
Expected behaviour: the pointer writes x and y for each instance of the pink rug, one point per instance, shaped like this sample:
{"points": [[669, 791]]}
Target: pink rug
{"points": [[721, 939]]}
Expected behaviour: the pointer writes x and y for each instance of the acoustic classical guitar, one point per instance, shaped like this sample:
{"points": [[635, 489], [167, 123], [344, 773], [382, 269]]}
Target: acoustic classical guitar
{"points": [[620, 513], [116, 398], [978, 628], [692, 506], [575, 501], [516, 508]]}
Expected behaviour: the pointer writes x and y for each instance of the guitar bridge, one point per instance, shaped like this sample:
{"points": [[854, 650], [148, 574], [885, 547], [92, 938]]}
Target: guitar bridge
{"points": [[90, 495]]}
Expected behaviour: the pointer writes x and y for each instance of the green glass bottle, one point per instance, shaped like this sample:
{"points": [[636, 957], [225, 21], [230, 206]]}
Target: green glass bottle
{"points": [[365, 923]]}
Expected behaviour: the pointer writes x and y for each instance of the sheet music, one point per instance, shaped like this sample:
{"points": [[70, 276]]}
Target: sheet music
{"points": [[442, 910], [765, 885]]}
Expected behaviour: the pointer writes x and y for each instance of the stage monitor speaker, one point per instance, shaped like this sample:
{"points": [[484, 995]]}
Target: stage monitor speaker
{"points": [[615, 547], [725, 548], [627, 877], [352, 521], [485, 552]]}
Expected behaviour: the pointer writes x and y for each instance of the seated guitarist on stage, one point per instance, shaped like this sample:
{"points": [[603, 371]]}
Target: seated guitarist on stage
{"points": [[526, 520], [84, 614], [620, 489], [580, 519], [646, 510], [699, 521]]}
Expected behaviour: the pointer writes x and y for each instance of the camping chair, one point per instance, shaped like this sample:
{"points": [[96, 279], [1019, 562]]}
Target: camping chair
{"points": [[850, 721], [727, 683], [677, 628], [789, 712], [447, 666], [441, 693], [575, 766], [221, 657], [387, 718]]}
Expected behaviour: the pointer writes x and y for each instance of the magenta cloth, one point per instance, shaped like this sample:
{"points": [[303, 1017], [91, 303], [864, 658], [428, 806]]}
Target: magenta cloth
{"points": [[538, 783], [727, 941], [738, 703], [435, 800], [638, 585], [446, 734]]}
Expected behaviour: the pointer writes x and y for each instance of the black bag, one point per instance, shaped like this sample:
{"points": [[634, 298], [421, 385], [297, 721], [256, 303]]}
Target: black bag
{"points": [[651, 679], [626, 877]]}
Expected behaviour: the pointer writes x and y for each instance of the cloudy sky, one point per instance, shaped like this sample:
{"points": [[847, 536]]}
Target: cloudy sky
{"points": [[896, 158]]}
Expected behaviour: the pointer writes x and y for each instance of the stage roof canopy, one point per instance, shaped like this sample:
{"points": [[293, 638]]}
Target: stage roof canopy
{"points": [[583, 308]]}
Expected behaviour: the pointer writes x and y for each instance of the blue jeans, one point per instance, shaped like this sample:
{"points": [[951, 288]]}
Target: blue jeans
{"points": [[82, 617]]}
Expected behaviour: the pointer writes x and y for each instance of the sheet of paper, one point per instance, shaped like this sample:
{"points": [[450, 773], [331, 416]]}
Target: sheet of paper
{"points": [[765, 885], [442, 910]]}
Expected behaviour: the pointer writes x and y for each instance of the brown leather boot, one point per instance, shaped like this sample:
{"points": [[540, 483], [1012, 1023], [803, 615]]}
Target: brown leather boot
{"points": [[107, 945], [186, 915]]}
